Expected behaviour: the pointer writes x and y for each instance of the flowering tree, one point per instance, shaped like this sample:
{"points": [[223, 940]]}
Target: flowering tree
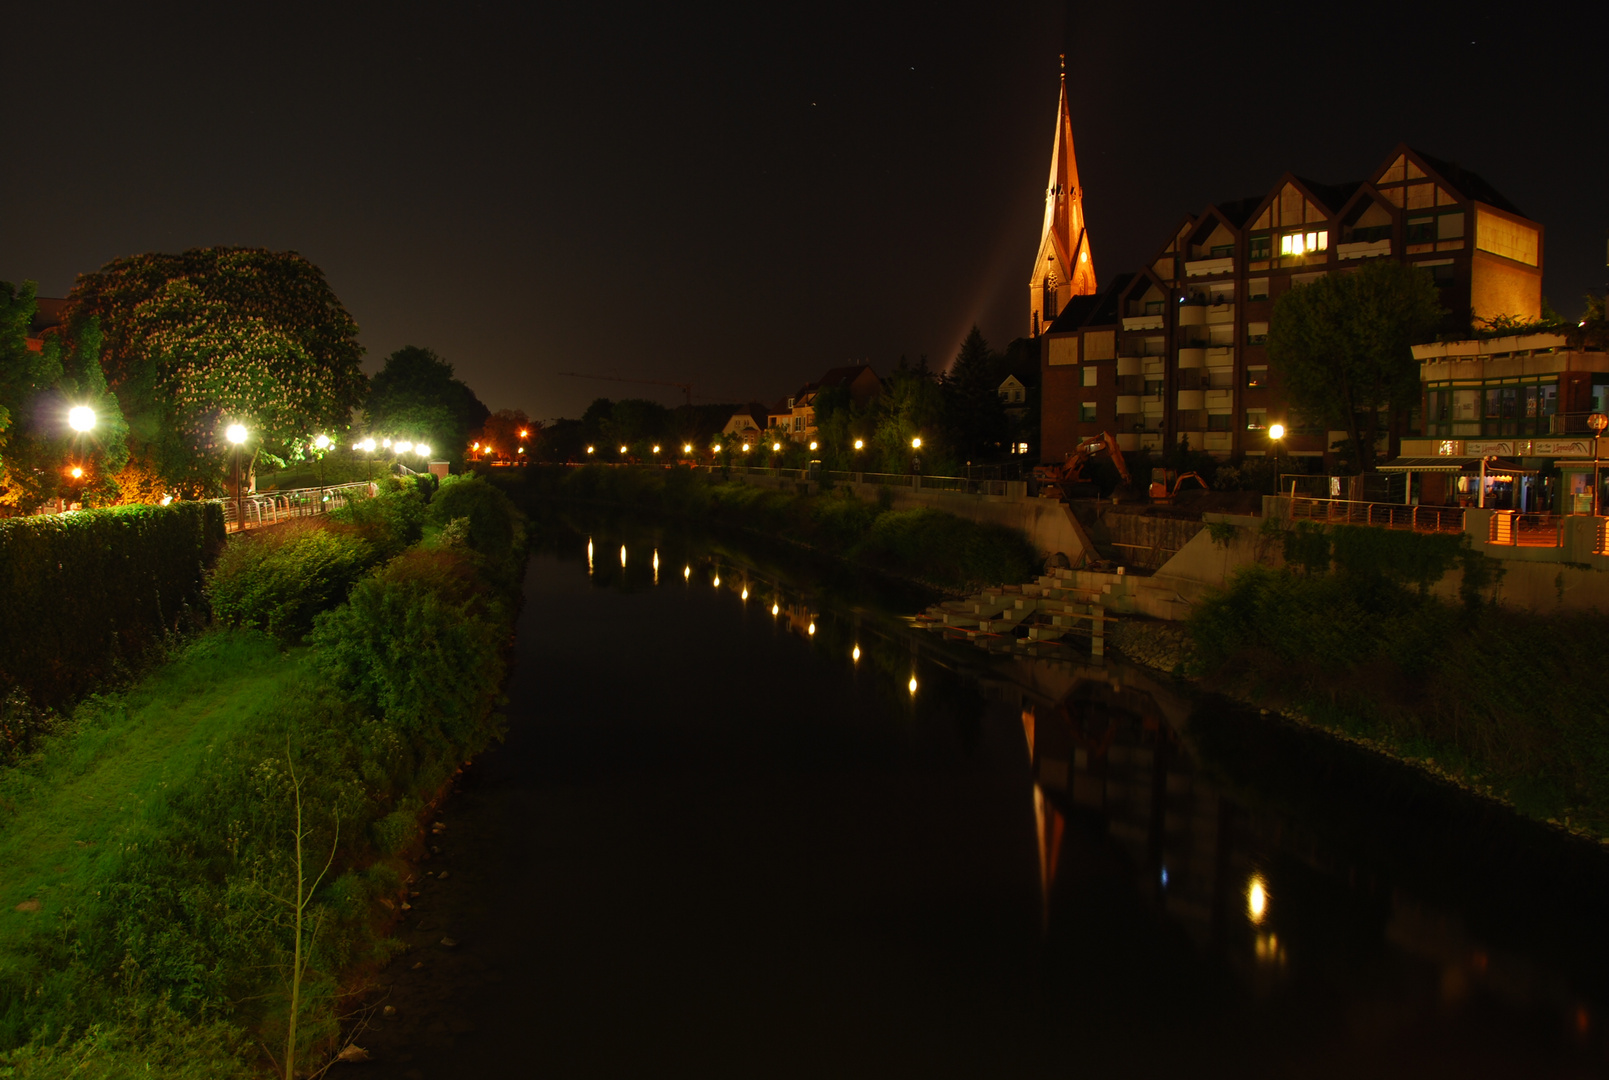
{"points": [[214, 336]]}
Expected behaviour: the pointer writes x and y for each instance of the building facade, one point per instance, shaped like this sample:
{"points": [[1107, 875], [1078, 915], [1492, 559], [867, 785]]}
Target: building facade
{"points": [[1177, 353]]}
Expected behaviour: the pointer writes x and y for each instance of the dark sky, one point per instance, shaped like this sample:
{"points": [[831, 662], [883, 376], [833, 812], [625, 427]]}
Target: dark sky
{"points": [[739, 195]]}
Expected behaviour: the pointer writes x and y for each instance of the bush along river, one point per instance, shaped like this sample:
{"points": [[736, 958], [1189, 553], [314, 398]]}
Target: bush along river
{"points": [[744, 825]]}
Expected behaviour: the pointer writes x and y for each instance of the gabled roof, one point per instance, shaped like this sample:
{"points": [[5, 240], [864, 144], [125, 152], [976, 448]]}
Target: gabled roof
{"points": [[1331, 196], [1239, 211], [839, 375], [1470, 184], [1098, 310]]}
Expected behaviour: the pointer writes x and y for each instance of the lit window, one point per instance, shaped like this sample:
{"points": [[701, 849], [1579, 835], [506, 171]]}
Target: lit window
{"points": [[1303, 243]]}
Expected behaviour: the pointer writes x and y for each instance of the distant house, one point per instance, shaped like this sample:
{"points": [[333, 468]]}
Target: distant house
{"points": [[47, 316], [797, 415], [750, 420], [1013, 394]]}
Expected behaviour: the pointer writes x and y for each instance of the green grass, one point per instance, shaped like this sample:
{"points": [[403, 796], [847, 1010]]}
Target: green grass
{"points": [[65, 812]]}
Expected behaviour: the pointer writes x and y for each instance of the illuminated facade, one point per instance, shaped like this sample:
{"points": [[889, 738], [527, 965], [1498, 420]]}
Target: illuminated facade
{"points": [[1063, 268], [1176, 352]]}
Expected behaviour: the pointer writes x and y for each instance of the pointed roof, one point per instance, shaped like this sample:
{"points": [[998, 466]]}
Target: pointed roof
{"points": [[1062, 235]]}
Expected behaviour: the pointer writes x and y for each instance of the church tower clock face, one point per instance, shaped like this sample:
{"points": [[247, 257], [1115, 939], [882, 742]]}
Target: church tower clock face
{"points": [[1063, 268]]}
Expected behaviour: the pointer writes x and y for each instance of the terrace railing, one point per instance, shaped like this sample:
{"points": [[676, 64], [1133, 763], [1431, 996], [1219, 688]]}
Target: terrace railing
{"points": [[1430, 519], [272, 507], [1514, 529]]}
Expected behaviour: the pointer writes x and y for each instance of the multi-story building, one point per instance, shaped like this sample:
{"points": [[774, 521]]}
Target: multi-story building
{"points": [[796, 415], [1176, 352]]}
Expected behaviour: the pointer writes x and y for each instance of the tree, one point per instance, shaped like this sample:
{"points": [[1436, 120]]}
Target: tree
{"points": [[509, 429], [41, 456], [414, 396], [975, 421], [912, 406], [195, 341], [1340, 347]]}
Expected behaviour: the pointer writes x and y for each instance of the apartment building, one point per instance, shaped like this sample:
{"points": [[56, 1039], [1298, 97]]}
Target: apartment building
{"points": [[1176, 351]]}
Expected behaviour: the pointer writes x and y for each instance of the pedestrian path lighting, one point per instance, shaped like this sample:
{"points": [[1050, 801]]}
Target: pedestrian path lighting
{"points": [[367, 446], [656, 449], [81, 418], [687, 448], [1276, 432], [590, 449], [776, 448], [916, 443], [912, 685], [402, 447], [236, 434], [860, 444], [421, 449], [812, 446]]}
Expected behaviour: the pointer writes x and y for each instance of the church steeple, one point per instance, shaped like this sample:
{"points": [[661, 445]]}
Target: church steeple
{"points": [[1064, 267]]}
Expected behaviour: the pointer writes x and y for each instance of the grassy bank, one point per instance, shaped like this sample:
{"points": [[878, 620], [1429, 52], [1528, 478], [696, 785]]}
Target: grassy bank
{"points": [[149, 891], [919, 544], [1346, 637]]}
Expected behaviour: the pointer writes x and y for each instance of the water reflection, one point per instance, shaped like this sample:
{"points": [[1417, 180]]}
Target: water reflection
{"points": [[1274, 869]]}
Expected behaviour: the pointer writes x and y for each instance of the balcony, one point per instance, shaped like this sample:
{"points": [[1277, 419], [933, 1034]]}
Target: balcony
{"points": [[1220, 313], [1192, 399], [1151, 440], [1130, 365], [1192, 358], [1129, 443], [1153, 367], [1221, 356], [1219, 442], [1143, 322], [1363, 250], [1192, 314], [1151, 406], [1207, 267], [1219, 399], [1128, 404]]}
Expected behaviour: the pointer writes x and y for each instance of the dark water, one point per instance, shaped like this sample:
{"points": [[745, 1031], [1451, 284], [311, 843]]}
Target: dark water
{"points": [[717, 844]]}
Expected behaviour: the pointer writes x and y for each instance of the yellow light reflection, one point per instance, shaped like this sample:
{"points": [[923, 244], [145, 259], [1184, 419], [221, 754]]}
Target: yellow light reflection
{"points": [[775, 608], [745, 595], [912, 685], [622, 555], [1256, 899], [811, 629], [855, 654], [687, 572], [656, 566], [589, 554], [717, 581]]}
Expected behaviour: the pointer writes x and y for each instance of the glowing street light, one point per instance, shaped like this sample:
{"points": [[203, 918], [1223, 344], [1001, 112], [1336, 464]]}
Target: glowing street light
{"points": [[855, 654], [916, 443], [322, 442], [656, 449], [687, 448], [386, 443], [811, 629], [912, 685], [236, 434], [622, 449], [776, 447], [523, 433], [403, 447], [745, 594], [1256, 899], [860, 444], [81, 417], [745, 448], [812, 445], [1276, 432], [590, 449], [775, 608], [687, 573], [367, 446], [622, 556], [717, 582], [421, 449], [76, 472]]}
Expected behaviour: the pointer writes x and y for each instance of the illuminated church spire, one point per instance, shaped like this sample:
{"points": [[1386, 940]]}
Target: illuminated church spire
{"points": [[1063, 268]]}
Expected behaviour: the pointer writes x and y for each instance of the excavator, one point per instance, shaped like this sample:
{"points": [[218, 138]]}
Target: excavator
{"points": [[1160, 490], [1056, 480]]}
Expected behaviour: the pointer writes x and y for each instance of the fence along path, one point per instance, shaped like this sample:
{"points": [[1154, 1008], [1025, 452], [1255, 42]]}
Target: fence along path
{"points": [[272, 507]]}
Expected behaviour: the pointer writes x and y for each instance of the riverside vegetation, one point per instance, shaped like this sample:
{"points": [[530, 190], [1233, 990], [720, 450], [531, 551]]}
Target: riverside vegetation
{"points": [[162, 910], [1347, 636], [919, 544]]}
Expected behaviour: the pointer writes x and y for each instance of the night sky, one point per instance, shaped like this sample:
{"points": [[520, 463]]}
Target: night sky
{"points": [[739, 195]]}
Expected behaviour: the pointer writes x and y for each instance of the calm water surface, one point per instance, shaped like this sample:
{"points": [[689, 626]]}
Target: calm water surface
{"points": [[717, 843]]}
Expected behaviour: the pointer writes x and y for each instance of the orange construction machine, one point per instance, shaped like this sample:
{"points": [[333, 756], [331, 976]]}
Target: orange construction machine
{"points": [[1160, 492], [1056, 480]]}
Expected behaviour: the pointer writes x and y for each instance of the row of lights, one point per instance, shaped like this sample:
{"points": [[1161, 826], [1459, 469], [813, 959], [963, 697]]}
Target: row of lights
{"points": [[776, 447]]}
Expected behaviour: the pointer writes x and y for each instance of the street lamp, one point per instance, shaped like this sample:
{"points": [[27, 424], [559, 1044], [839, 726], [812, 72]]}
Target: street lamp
{"points": [[812, 446], [81, 418], [860, 444], [1597, 422], [776, 447], [236, 434], [367, 446], [1276, 432], [403, 447], [916, 443], [590, 449], [321, 444]]}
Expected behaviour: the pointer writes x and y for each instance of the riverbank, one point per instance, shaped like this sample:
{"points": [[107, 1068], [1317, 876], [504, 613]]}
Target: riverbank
{"points": [[199, 869], [922, 545], [1490, 700]]}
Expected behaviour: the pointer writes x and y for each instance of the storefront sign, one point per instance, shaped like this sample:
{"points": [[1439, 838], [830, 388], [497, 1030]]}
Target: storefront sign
{"points": [[1574, 448], [1488, 449]]}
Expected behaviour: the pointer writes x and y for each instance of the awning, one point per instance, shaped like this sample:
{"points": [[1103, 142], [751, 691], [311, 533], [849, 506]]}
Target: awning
{"points": [[1469, 466]]}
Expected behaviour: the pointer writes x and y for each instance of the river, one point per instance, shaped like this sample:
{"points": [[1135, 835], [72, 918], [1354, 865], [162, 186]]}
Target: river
{"points": [[762, 828]]}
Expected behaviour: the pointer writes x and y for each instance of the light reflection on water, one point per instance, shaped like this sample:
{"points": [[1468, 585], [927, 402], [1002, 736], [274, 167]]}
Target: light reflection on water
{"points": [[1118, 789]]}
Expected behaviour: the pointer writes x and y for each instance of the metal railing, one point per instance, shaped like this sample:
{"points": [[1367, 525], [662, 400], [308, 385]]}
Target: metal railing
{"points": [[1514, 529], [1432, 519], [272, 507]]}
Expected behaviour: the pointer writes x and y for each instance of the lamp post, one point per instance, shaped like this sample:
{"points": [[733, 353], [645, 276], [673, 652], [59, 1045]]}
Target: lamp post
{"points": [[367, 446], [1276, 434], [1597, 422], [321, 444], [236, 434]]}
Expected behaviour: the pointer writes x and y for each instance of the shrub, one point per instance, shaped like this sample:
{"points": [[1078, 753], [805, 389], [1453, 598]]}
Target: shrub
{"points": [[391, 520], [496, 529], [81, 593], [278, 579], [417, 644]]}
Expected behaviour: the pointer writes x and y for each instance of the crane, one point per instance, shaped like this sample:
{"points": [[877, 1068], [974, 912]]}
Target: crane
{"points": [[685, 388]]}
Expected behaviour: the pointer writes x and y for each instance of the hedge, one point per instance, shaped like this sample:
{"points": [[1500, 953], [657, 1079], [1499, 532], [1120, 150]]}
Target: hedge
{"points": [[84, 592]]}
